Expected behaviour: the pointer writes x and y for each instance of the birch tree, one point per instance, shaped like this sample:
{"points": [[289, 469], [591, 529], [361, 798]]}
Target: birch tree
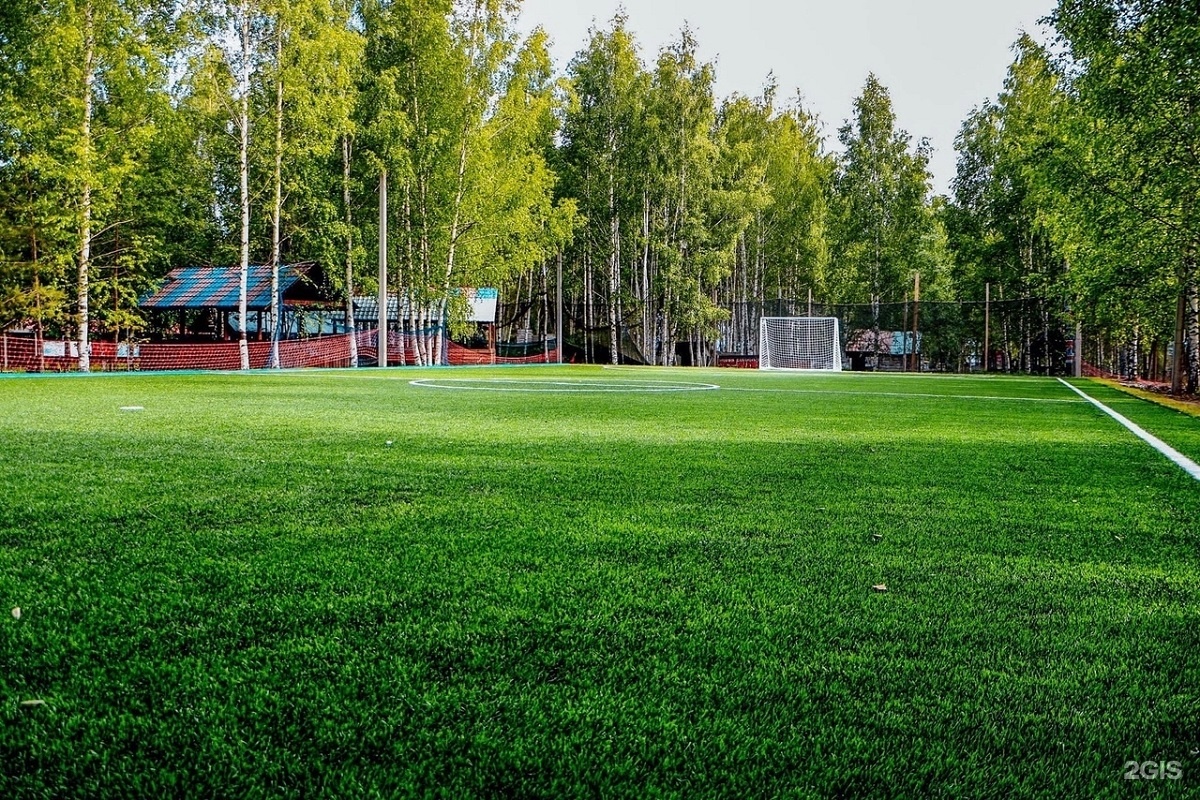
{"points": [[601, 153], [308, 92], [784, 249], [884, 226], [708, 198], [1133, 66], [244, 19], [81, 127], [457, 113]]}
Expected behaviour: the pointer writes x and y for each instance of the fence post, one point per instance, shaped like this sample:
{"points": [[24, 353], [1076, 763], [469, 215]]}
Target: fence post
{"points": [[987, 325], [558, 324], [916, 312], [382, 347]]}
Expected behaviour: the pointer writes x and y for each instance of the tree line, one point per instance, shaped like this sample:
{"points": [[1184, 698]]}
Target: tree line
{"points": [[1078, 181], [140, 135]]}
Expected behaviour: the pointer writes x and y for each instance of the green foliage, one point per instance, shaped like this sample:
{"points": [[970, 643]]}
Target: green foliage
{"points": [[1128, 161], [461, 116], [319, 65], [1077, 184], [884, 228], [787, 246], [62, 167], [605, 161], [670, 207], [669, 186], [1008, 218]]}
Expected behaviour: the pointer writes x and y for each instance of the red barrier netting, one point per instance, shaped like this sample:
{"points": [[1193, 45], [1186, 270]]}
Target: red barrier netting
{"points": [[19, 353], [549, 357], [1092, 371], [25, 354], [737, 361]]}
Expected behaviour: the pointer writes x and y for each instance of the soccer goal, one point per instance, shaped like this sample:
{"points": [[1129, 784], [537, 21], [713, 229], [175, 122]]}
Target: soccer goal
{"points": [[799, 343]]}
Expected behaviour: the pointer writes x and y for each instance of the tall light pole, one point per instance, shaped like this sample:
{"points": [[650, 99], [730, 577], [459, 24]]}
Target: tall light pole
{"points": [[383, 276]]}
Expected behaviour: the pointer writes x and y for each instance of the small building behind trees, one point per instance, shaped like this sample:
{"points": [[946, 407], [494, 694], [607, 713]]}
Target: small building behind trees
{"points": [[202, 304], [884, 351]]}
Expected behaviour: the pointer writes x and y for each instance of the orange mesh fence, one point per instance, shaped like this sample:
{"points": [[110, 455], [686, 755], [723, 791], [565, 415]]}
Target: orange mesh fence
{"points": [[26, 354]]}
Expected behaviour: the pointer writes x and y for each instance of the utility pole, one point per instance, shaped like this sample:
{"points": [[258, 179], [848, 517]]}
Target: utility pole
{"points": [[558, 325], [916, 312], [383, 271], [987, 327]]}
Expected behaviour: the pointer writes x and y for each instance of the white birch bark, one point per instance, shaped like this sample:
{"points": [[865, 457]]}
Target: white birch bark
{"points": [[244, 177], [1193, 332], [478, 34], [614, 262], [351, 323], [85, 232], [277, 205]]}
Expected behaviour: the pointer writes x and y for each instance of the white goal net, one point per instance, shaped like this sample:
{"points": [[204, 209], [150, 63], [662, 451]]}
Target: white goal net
{"points": [[799, 343]]}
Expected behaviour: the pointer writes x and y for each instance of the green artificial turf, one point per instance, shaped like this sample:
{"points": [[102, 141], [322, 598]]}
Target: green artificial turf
{"points": [[341, 584]]}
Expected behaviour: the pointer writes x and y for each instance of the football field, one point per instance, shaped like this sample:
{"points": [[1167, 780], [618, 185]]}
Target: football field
{"points": [[585, 582]]}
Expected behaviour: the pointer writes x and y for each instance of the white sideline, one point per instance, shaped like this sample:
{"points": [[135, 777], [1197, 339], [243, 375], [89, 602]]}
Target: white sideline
{"points": [[1176, 457], [902, 394]]}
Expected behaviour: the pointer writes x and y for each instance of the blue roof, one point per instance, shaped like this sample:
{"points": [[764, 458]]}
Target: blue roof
{"points": [[220, 287], [483, 305]]}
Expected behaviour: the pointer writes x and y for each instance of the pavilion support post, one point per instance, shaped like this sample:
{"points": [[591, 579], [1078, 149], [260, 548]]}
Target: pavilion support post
{"points": [[383, 270]]}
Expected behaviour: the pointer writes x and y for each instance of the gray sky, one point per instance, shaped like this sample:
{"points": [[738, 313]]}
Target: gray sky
{"points": [[938, 58]]}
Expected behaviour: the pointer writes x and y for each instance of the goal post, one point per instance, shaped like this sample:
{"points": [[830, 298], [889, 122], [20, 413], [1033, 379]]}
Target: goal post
{"points": [[799, 343]]}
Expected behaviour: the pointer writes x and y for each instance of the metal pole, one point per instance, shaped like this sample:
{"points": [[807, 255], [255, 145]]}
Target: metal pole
{"points": [[383, 271], [558, 329], [916, 313], [987, 325], [1078, 349]]}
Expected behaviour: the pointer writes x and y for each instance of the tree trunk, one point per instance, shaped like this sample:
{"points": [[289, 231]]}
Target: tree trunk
{"points": [[456, 225], [1177, 363], [668, 332], [614, 256], [586, 289], [351, 322], [1193, 333], [442, 332], [1005, 336], [85, 231], [545, 305], [647, 291], [277, 206], [408, 268], [1046, 336], [244, 179]]}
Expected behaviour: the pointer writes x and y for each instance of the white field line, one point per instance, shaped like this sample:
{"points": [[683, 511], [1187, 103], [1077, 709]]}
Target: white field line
{"points": [[1176, 457], [904, 394], [542, 385], [847, 374]]}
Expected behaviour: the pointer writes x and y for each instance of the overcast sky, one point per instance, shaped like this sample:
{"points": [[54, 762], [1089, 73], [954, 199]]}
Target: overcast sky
{"points": [[938, 58]]}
